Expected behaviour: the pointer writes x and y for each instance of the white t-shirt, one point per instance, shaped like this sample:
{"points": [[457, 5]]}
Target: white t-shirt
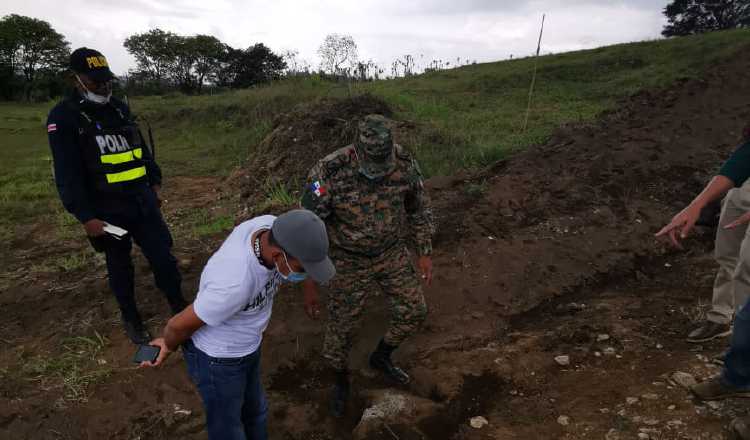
{"points": [[235, 297]]}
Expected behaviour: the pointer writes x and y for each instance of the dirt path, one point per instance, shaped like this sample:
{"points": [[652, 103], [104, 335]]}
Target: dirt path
{"points": [[547, 254]]}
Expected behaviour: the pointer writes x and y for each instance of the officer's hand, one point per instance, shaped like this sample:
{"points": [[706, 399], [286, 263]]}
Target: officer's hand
{"points": [[744, 219], [312, 305], [94, 227], [681, 225], [425, 266], [164, 352], [157, 190]]}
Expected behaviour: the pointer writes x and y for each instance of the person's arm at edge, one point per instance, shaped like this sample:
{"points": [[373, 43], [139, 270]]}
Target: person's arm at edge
{"points": [[685, 220]]}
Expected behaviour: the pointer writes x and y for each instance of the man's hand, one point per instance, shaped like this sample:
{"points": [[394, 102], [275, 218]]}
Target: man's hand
{"points": [[94, 227], [164, 352], [425, 266], [742, 220], [681, 225], [178, 330], [312, 305], [157, 192]]}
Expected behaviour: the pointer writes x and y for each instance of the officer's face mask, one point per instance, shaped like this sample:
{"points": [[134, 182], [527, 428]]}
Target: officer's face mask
{"points": [[292, 276], [103, 95]]}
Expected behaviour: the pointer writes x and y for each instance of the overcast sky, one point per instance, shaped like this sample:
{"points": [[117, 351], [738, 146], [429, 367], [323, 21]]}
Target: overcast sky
{"points": [[482, 30]]}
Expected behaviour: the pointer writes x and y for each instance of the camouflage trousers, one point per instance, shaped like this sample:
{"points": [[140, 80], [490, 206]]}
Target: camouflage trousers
{"points": [[356, 277]]}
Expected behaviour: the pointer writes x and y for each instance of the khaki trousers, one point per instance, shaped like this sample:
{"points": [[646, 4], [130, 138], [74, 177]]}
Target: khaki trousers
{"points": [[732, 252]]}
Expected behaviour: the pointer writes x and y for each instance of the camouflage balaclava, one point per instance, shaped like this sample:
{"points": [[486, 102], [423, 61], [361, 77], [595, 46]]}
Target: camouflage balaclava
{"points": [[374, 145]]}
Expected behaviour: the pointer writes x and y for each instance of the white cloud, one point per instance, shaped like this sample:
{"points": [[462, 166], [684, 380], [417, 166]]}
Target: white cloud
{"points": [[482, 30]]}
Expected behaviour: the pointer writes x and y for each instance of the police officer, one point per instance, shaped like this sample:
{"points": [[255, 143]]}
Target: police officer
{"points": [[106, 175], [371, 197]]}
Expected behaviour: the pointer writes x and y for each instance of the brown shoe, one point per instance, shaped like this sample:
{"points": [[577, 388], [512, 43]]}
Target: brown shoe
{"points": [[709, 330], [716, 389], [739, 429]]}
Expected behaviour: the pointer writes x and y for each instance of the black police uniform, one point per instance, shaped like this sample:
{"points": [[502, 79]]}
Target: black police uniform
{"points": [[104, 170]]}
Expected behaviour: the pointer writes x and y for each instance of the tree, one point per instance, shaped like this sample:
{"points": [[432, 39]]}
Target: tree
{"points": [[209, 52], [336, 52], [688, 17], [255, 65], [291, 58], [29, 46], [155, 53]]}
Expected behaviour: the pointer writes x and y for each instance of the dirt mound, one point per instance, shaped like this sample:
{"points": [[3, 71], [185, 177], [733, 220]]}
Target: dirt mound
{"points": [[575, 215], [584, 206], [299, 139]]}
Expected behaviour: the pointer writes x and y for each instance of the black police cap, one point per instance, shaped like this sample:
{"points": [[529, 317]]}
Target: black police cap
{"points": [[91, 63]]}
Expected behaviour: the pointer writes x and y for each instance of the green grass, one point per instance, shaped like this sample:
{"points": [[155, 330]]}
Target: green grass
{"points": [[26, 185], [76, 368], [211, 135], [466, 117], [203, 222], [475, 114]]}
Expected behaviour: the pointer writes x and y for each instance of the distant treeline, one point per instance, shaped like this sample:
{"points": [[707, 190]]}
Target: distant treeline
{"points": [[34, 57], [166, 61]]}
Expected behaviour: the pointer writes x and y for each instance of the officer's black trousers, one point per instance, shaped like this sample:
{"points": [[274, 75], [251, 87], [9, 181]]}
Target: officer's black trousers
{"points": [[141, 217]]}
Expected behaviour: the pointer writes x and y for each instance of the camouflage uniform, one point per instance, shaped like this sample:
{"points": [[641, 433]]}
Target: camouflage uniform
{"points": [[367, 220]]}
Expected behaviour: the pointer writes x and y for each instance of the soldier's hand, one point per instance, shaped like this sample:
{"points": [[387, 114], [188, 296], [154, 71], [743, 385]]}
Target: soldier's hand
{"points": [[312, 304], [425, 266], [94, 227]]}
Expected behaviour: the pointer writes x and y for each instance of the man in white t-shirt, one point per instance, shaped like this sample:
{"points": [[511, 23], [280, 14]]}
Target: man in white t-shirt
{"points": [[221, 332]]}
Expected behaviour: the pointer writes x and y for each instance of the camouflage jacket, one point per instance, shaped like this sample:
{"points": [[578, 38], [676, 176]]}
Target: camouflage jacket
{"points": [[369, 216]]}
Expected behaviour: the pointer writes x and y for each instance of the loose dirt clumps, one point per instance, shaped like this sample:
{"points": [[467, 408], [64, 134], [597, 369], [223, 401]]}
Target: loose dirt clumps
{"points": [[299, 139]]}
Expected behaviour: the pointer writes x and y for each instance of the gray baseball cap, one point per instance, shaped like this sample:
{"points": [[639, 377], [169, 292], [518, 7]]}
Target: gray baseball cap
{"points": [[303, 235]]}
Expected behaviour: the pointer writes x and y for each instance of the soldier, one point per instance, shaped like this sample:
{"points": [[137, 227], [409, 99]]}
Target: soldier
{"points": [[370, 194]]}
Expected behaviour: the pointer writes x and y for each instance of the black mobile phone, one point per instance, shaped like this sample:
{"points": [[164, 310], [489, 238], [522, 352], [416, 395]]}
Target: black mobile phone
{"points": [[145, 353]]}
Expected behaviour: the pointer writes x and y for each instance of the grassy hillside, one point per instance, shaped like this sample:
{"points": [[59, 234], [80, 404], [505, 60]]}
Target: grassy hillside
{"points": [[466, 117]]}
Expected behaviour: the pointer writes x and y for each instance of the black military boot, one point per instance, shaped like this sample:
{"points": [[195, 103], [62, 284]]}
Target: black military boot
{"points": [[136, 331], [380, 359], [340, 393]]}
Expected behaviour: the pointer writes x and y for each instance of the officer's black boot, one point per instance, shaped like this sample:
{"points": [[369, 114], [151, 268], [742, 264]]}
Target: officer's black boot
{"points": [[340, 393], [380, 359], [136, 331]]}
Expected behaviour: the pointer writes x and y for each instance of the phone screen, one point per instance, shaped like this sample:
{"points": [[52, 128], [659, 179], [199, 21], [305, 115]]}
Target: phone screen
{"points": [[146, 353]]}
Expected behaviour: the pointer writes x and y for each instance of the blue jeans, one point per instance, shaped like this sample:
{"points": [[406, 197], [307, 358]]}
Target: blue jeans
{"points": [[737, 364], [232, 394]]}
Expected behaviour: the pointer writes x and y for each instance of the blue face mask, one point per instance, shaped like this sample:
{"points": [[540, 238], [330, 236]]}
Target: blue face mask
{"points": [[293, 277]]}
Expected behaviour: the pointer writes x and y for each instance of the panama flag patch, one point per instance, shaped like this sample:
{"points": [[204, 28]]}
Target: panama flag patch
{"points": [[51, 128], [318, 189]]}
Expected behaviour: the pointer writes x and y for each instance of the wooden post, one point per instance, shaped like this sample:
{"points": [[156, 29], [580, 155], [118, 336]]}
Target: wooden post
{"points": [[533, 76]]}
